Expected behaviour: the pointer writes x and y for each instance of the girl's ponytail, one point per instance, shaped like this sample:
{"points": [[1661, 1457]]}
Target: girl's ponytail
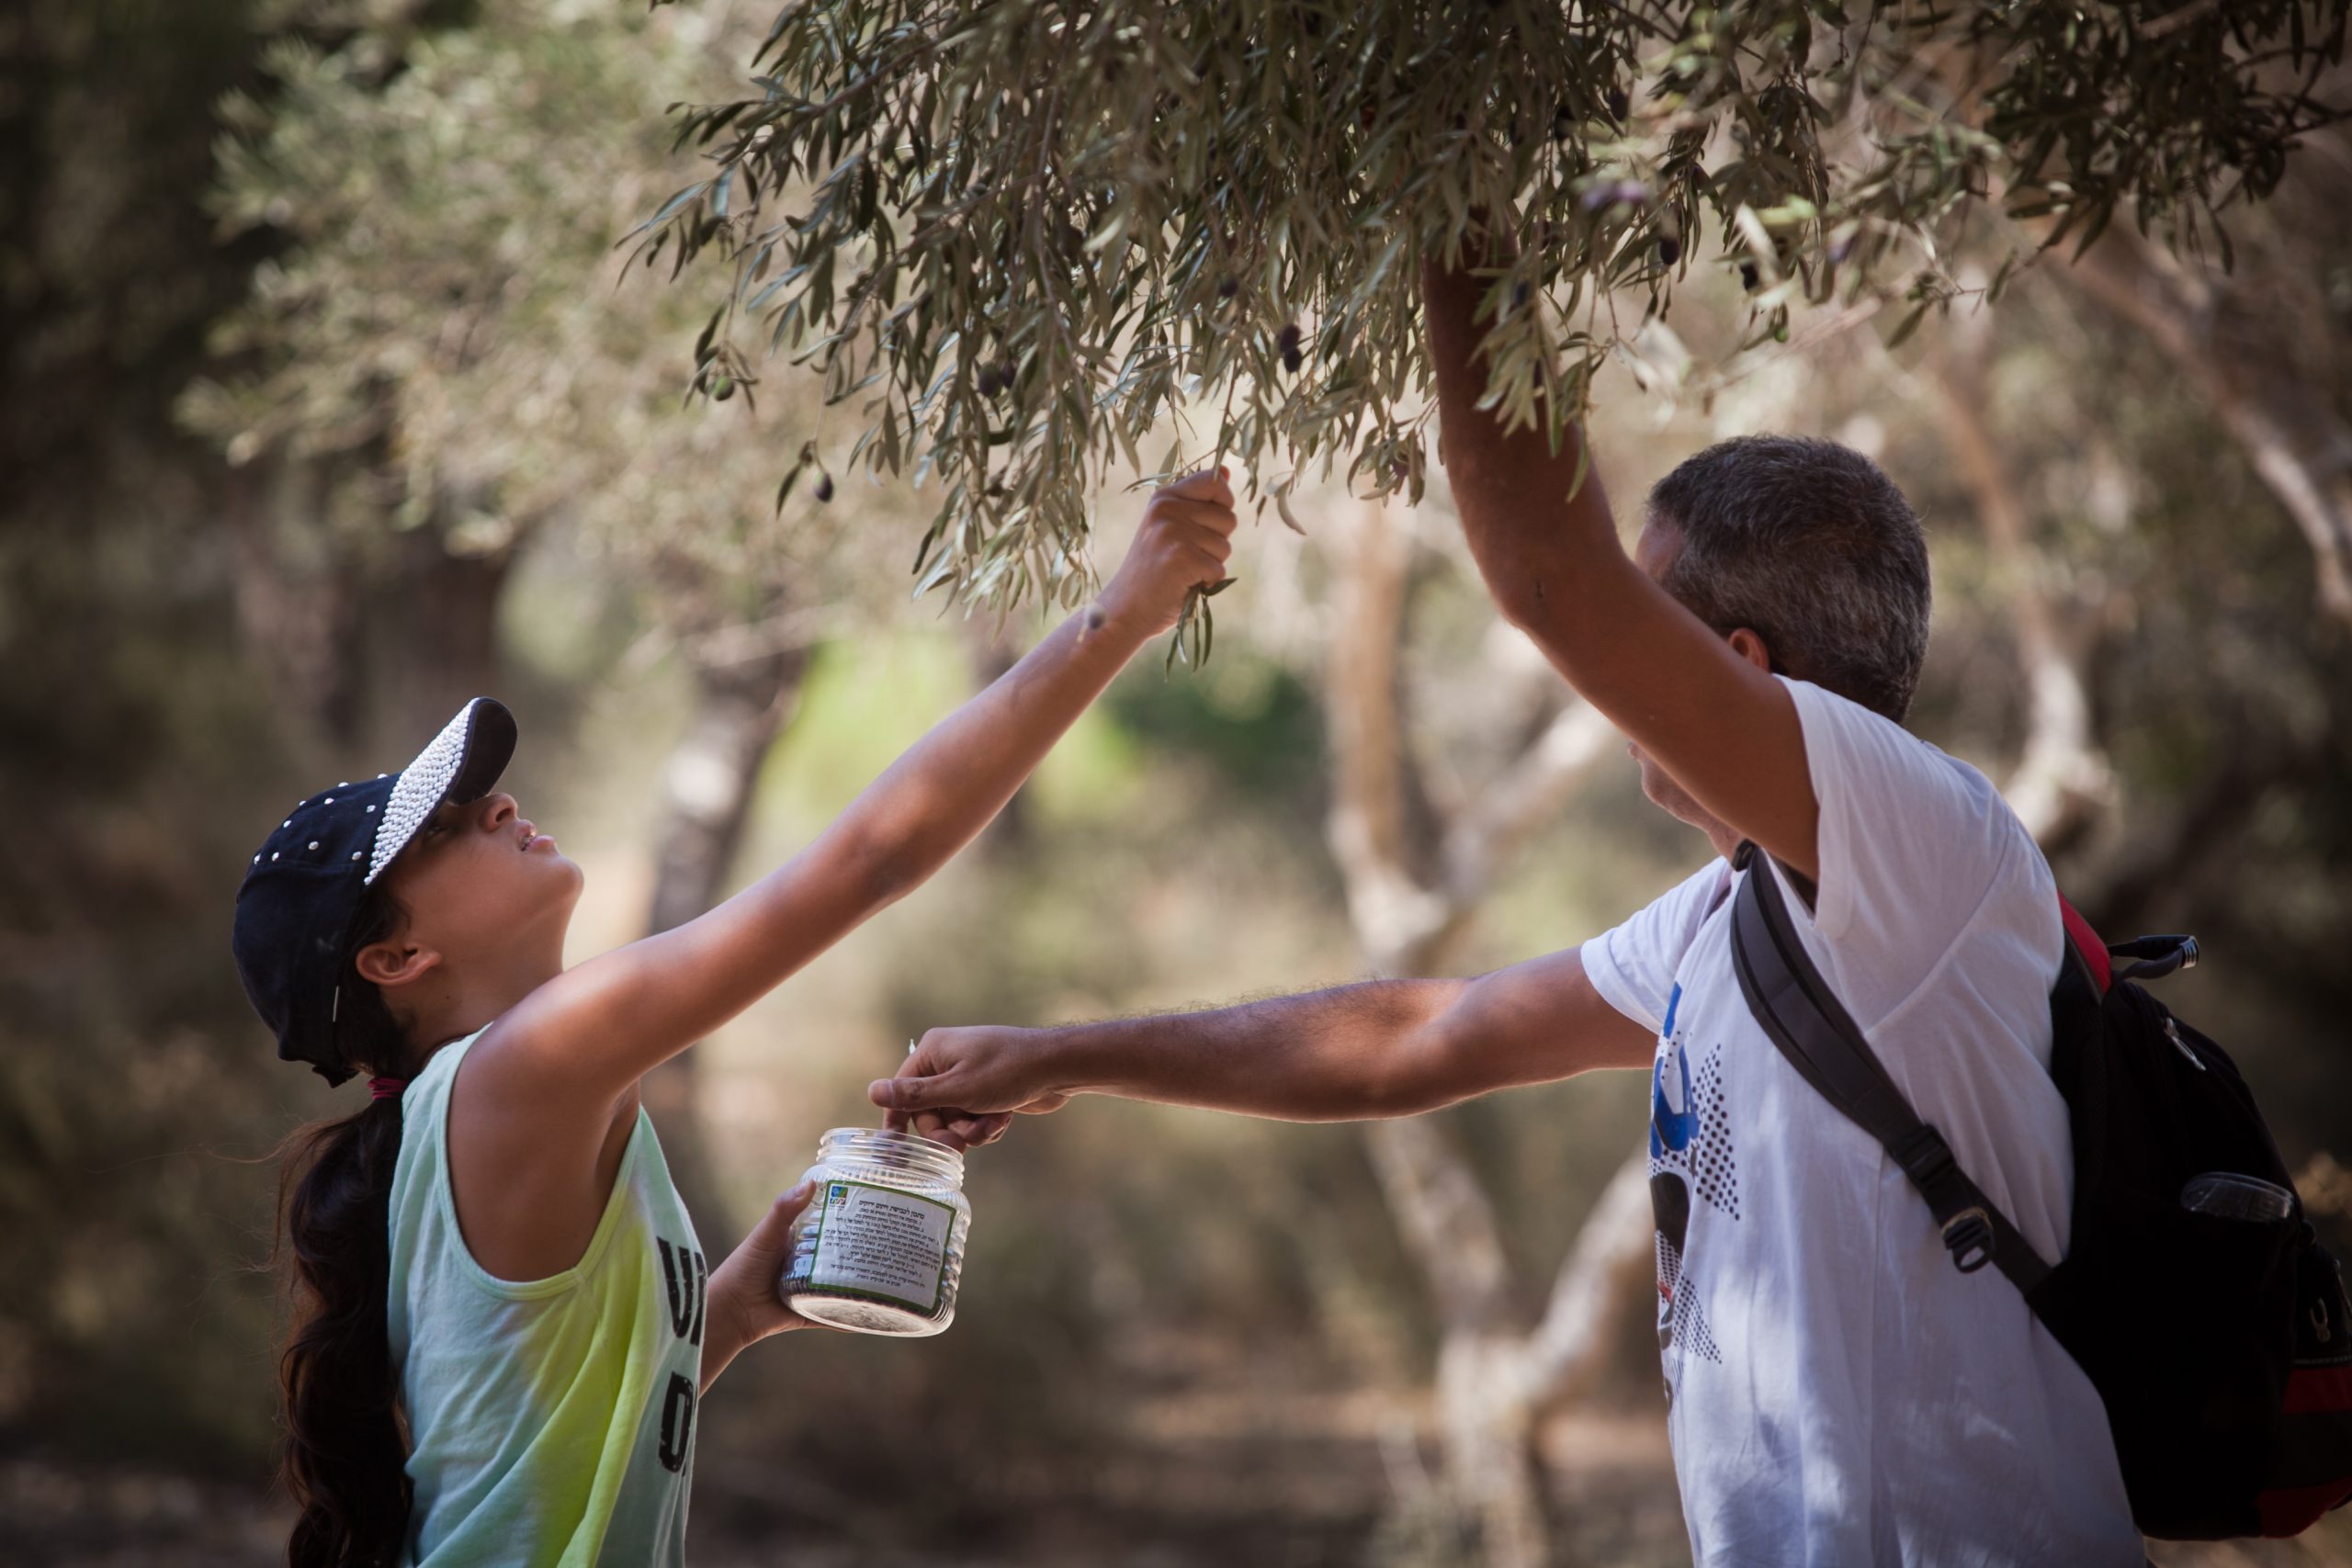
{"points": [[347, 1441]]}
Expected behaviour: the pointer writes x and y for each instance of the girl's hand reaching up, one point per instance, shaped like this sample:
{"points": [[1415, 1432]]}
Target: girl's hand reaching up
{"points": [[1183, 544]]}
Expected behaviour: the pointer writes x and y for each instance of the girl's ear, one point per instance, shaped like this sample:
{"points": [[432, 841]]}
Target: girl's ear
{"points": [[394, 963]]}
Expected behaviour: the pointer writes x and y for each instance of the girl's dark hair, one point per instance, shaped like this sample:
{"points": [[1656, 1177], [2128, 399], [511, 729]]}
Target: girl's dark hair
{"points": [[347, 1441]]}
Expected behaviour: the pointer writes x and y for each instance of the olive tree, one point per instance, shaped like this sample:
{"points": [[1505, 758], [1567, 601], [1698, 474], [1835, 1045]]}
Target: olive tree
{"points": [[1016, 236]]}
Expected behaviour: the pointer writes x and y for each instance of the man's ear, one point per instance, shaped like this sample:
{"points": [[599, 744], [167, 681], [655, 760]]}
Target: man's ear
{"points": [[394, 964], [1749, 645]]}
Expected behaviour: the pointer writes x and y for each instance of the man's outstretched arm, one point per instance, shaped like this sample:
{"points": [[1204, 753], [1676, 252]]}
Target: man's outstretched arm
{"points": [[1718, 723], [1383, 1048]]}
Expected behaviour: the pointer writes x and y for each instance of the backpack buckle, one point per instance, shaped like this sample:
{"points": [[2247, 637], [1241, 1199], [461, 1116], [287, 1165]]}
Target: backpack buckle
{"points": [[1968, 1236], [2157, 955]]}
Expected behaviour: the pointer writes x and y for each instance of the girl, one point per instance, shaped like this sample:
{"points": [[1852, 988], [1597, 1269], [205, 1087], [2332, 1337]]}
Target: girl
{"points": [[504, 1318]]}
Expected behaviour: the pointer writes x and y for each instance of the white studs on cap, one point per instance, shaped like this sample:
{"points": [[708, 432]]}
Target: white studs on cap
{"points": [[354, 855], [314, 843], [419, 790]]}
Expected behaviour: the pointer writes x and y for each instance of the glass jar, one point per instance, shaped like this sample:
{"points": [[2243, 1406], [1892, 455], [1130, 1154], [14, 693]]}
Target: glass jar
{"points": [[880, 1247]]}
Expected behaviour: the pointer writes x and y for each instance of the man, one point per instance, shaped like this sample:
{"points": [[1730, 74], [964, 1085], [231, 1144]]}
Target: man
{"points": [[1839, 1392]]}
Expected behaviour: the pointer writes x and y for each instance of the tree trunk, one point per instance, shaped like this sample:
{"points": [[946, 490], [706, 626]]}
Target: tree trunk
{"points": [[704, 804], [434, 637], [1413, 879], [296, 617], [374, 648]]}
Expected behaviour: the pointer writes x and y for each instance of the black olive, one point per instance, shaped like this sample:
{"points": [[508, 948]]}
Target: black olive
{"points": [[1292, 360], [1669, 250], [1747, 279], [824, 487], [1229, 288], [1564, 121], [1287, 339], [1620, 105], [990, 380], [1519, 296]]}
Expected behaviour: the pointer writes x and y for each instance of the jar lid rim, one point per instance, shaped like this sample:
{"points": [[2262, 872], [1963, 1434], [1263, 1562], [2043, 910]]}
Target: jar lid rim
{"points": [[889, 1143]]}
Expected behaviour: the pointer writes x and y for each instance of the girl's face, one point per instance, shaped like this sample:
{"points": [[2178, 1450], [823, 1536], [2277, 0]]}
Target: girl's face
{"points": [[479, 879]]}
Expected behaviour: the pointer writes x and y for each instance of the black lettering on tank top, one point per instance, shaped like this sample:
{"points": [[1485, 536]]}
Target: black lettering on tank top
{"points": [[688, 1279], [677, 1422]]}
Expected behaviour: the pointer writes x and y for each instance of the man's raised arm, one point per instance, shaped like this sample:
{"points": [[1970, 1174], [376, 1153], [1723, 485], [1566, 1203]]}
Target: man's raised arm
{"points": [[1383, 1048], [1708, 714]]}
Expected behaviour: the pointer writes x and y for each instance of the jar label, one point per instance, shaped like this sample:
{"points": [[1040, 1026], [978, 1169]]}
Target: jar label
{"points": [[883, 1242]]}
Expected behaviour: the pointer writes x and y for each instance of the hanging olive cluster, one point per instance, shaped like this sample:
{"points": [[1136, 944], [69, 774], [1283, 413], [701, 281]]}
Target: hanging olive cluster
{"points": [[1018, 236]]}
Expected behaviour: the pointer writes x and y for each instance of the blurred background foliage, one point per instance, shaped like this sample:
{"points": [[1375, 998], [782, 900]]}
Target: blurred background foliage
{"points": [[328, 403]]}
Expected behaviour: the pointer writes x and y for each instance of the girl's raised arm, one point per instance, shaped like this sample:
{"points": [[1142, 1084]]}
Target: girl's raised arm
{"points": [[584, 1038]]}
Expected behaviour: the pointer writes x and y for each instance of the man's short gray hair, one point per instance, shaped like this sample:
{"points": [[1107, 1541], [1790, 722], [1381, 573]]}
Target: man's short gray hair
{"points": [[1809, 545]]}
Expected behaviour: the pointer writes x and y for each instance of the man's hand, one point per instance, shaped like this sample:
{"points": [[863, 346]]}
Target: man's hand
{"points": [[1183, 544], [962, 1087], [744, 1306]]}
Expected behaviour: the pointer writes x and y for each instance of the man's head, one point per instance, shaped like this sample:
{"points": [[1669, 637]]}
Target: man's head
{"points": [[1807, 548]]}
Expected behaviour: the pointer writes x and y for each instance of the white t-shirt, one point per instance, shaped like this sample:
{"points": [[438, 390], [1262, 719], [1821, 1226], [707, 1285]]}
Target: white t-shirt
{"points": [[1839, 1392]]}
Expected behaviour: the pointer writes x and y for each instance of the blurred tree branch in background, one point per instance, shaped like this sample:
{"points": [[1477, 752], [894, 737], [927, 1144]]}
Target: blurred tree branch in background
{"points": [[2272, 385], [2061, 776], [1414, 877]]}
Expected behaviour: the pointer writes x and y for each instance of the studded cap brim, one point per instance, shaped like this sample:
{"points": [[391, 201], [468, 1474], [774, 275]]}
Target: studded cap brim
{"points": [[461, 764]]}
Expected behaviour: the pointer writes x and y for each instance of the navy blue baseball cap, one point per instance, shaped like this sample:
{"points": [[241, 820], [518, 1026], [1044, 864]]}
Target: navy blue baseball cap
{"points": [[295, 906]]}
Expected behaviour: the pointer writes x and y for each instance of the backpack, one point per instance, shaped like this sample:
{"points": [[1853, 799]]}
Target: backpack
{"points": [[2221, 1346]]}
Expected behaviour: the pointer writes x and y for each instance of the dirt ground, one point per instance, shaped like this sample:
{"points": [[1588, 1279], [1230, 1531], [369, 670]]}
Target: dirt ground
{"points": [[1220, 1486]]}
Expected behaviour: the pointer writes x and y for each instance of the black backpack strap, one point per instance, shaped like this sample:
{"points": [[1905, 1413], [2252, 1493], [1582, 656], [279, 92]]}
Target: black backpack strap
{"points": [[1821, 1041]]}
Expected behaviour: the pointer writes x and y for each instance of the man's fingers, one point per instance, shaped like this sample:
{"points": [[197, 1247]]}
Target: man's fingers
{"points": [[975, 1131], [902, 1097]]}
